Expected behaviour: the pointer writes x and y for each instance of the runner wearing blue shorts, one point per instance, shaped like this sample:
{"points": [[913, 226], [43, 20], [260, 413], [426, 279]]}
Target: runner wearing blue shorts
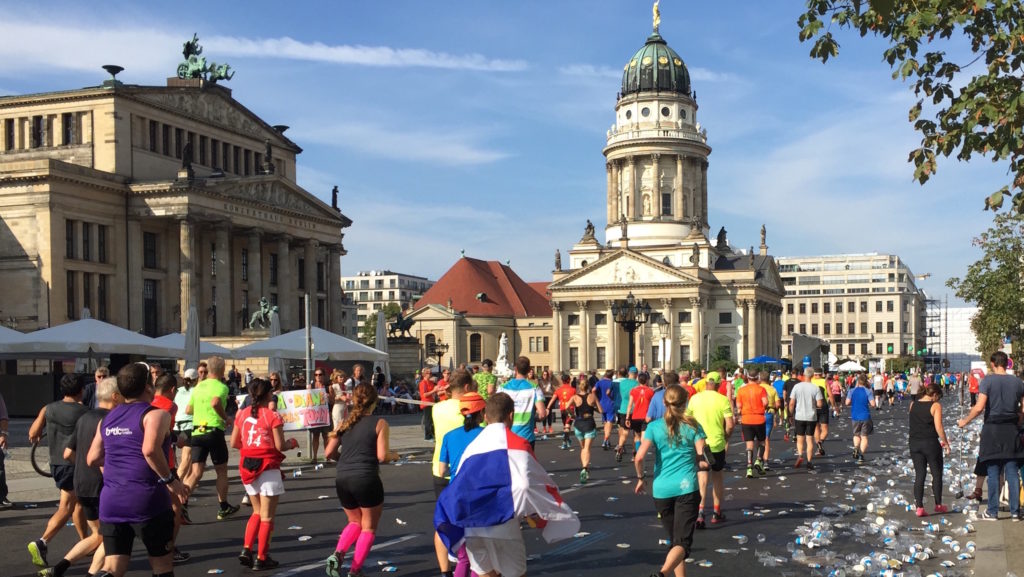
{"points": [[607, 392]]}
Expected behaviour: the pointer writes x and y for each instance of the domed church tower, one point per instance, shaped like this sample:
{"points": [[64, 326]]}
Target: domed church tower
{"points": [[657, 153]]}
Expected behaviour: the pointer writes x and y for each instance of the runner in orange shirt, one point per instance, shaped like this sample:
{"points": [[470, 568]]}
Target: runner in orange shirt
{"points": [[636, 411], [563, 395], [752, 403]]}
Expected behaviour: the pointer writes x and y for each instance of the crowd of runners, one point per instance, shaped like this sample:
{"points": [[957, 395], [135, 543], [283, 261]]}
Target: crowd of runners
{"points": [[150, 435]]}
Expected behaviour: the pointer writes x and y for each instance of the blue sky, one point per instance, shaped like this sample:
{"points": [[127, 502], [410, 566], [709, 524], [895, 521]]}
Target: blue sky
{"points": [[479, 125]]}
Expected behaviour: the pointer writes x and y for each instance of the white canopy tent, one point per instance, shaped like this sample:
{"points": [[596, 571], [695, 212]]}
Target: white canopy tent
{"points": [[9, 336], [177, 341], [86, 337], [849, 367], [327, 346]]}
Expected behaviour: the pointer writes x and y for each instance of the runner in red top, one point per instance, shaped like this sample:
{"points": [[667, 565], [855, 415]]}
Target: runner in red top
{"points": [[259, 437], [563, 395], [752, 402], [636, 410]]}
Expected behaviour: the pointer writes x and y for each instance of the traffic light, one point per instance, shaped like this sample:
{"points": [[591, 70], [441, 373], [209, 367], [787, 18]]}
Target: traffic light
{"points": [[889, 348]]}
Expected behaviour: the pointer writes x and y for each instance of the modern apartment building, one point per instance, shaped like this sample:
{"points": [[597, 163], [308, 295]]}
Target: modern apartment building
{"points": [[372, 289], [867, 306]]}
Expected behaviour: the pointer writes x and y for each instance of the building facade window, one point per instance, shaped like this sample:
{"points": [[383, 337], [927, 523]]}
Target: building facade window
{"points": [[725, 318], [814, 308], [839, 306], [149, 250], [574, 358], [302, 274], [428, 343], [863, 306], [803, 328], [69, 239], [878, 327], [878, 348], [179, 142], [9, 143], [101, 297], [863, 328], [814, 328], [37, 131], [68, 129], [165, 140], [213, 261], [789, 329], [839, 348], [863, 348], [826, 308], [149, 307], [475, 348], [686, 317], [601, 357], [321, 313], [666, 204], [245, 264], [889, 306], [839, 328], [320, 276], [71, 299], [600, 319], [101, 243], [890, 327], [572, 320], [87, 291], [827, 327], [273, 269], [684, 353], [803, 308], [656, 355], [878, 306], [86, 241], [852, 328]]}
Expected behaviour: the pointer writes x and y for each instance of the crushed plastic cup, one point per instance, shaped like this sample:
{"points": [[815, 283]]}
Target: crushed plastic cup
{"points": [[623, 545], [305, 538], [399, 521], [215, 571], [581, 534], [761, 538], [663, 542], [740, 539], [704, 563], [297, 473], [295, 528], [390, 569]]}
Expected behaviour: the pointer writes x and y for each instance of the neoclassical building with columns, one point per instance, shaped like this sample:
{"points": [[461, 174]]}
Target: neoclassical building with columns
{"points": [[708, 299], [101, 211]]}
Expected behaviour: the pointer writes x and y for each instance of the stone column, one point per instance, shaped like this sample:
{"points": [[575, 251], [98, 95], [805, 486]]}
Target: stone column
{"points": [[334, 294], [610, 174], [285, 282], [617, 192], [697, 337], [189, 288], [225, 310], [135, 263], [255, 271], [656, 185], [704, 193], [584, 336], [668, 344], [556, 351], [749, 328], [312, 247], [19, 133], [631, 206], [612, 356], [677, 194]]}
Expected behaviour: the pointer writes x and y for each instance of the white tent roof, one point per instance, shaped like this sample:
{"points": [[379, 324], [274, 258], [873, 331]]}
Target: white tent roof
{"points": [[177, 340], [85, 337], [8, 336], [850, 367], [326, 346]]}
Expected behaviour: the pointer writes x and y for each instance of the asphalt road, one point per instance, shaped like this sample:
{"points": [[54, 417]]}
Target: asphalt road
{"points": [[622, 531]]}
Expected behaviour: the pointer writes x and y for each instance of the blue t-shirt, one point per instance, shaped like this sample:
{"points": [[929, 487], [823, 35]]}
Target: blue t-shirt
{"points": [[859, 397], [675, 466], [525, 396], [454, 444], [607, 395], [656, 409], [780, 388], [625, 386]]}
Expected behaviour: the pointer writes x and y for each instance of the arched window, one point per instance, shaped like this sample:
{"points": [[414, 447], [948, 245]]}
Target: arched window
{"points": [[428, 343], [475, 348], [583, 264]]}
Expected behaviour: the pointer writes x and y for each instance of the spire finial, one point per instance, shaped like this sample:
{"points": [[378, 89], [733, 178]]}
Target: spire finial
{"points": [[657, 16]]}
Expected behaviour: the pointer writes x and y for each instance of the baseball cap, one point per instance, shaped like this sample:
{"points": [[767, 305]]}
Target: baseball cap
{"points": [[471, 403], [714, 376], [633, 370], [191, 374]]}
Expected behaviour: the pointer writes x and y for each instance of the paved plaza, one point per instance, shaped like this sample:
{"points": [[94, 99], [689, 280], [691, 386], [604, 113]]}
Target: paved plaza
{"points": [[858, 515]]}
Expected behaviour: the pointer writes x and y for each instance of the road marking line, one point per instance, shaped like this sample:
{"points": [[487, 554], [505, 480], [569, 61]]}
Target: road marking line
{"points": [[320, 564]]}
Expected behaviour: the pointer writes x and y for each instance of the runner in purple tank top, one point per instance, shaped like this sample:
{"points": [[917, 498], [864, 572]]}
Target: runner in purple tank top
{"points": [[136, 496]]}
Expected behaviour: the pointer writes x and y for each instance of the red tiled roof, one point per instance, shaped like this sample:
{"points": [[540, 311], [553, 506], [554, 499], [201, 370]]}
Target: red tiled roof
{"points": [[507, 294]]}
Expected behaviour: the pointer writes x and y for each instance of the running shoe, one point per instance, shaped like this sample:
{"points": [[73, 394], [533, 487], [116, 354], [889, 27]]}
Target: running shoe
{"points": [[785, 437], [38, 551], [356, 574], [618, 454], [180, 556], [921, 512], [810, 466], [821, 450], [759, 468], [606, 446], [860, 459], [750, 472], [717, 517], [584, 476], [799, 461], [245, 499], [700, 522], [48, 572], [940, 509], [264, 564], [245, 557], [856, 454], [226, 512], [5, 504], [334, 564], [986, 516], [185, 520]]}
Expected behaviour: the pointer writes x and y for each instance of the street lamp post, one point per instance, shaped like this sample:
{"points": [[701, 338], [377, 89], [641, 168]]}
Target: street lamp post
{"points": [[663, 331], [631, 315], [438, 350]]}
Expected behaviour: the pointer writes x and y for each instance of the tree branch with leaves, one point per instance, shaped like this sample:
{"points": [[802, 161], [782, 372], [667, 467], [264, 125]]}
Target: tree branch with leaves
{"points": [[964, 108]]}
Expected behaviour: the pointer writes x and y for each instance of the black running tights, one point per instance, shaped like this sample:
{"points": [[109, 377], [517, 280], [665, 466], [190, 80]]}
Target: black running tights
{"points": [[926, 453]]}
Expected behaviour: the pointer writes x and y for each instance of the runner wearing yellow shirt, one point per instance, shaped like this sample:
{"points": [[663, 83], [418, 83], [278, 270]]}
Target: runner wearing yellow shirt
{"points": [[713, 412], [821, 433]]}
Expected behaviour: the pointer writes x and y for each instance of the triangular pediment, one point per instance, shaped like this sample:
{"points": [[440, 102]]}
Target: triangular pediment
{"points": [[624, 268], [213, 106], [277, 192]]}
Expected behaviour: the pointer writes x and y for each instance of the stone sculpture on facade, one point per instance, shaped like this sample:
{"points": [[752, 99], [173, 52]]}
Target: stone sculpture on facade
{"points": [[624, 226], [558, 260], [695, 255], [721, 243], [261, 318], [502, 368], [334, 198], [764, 234], [195, 65], [588, 231], [268, 159], [401, 326]]}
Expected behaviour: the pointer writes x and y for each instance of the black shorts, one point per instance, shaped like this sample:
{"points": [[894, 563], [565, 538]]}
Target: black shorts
{"points": [[755, 432], [157, 534], [679, 517], [823, 416], [638, 426], [566, 416], [439, 485], [359, 489], [805, 428], [187, 435], [620, 419], [717, 461], [879, 392], [91, 507], [63, 477], [210, 443]]}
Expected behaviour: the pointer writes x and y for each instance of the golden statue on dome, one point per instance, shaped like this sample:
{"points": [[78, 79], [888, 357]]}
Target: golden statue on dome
{"points": [[657, 15]]}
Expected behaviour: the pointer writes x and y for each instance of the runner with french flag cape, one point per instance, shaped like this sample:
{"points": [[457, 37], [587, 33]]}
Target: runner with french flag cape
{"points": [[499, 479]]}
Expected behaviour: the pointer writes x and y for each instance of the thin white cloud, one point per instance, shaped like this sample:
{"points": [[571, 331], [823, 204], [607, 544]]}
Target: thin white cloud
{"points": [[443, 146], [289, 48], [30, 45], [591, 71]]}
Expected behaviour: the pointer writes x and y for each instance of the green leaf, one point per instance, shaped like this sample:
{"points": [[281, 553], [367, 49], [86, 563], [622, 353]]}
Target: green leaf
{"points": [[884, 8]]}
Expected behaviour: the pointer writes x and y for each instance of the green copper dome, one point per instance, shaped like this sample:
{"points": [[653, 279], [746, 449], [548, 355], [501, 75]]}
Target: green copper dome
{"points": [[655, 67]]}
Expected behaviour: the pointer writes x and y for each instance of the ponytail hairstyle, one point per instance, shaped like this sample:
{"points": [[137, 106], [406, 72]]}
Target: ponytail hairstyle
{"points": [[364, 401], [675, 413], [260, 390]]}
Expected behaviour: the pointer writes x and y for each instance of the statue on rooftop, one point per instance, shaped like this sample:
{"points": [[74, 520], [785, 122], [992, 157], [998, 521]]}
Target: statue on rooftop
{"points": [[558, 260], [588, 231], [195, 65], [334, 197], [657, 15], [721, 243]]}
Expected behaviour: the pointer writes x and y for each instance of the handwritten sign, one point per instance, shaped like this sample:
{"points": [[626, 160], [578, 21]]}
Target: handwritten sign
{"points": [[302, 409]]}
